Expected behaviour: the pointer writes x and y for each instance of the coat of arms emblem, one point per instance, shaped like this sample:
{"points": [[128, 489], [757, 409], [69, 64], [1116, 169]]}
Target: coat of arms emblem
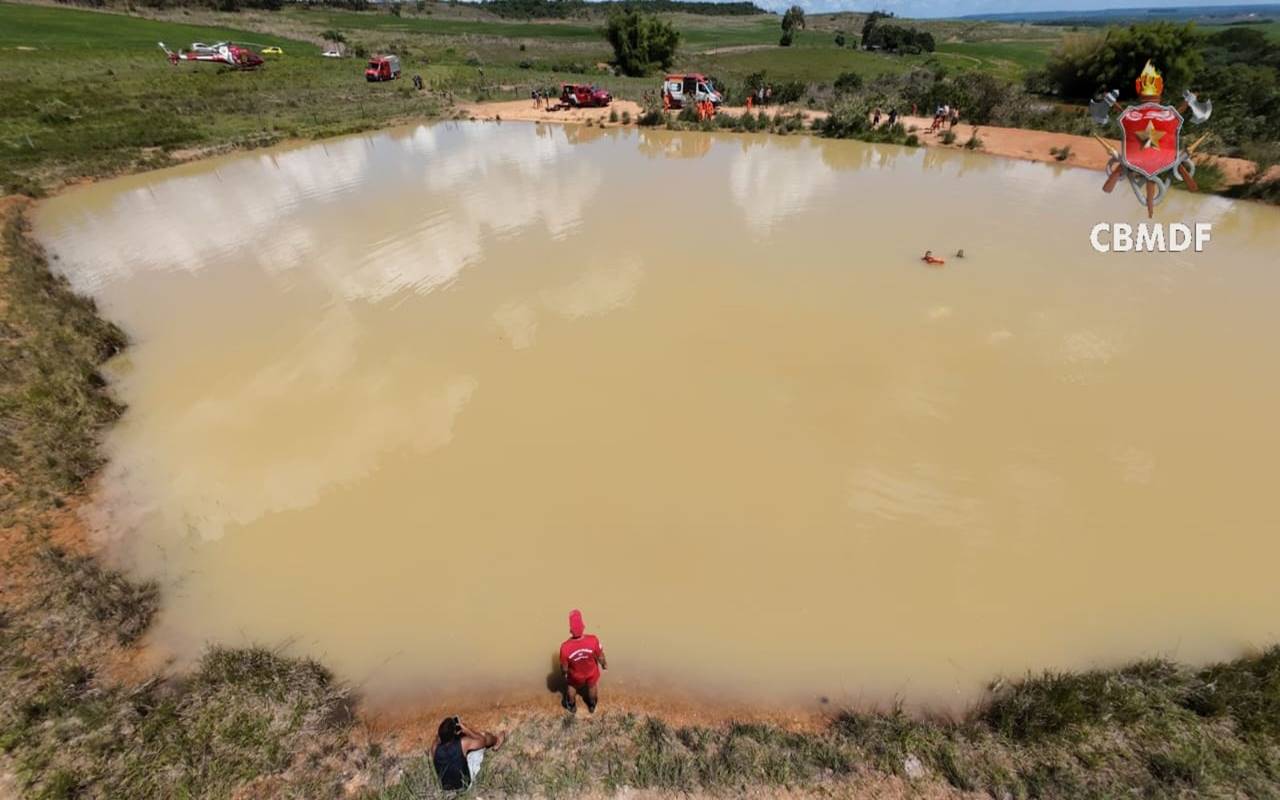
{"points": [[1151, 154]]}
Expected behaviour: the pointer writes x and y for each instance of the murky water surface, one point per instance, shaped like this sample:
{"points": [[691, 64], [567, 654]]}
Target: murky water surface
{"points": [[401, 401]]}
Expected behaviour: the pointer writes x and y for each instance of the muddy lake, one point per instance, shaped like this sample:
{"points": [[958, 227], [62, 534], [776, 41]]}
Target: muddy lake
{"points": [[400, 401]]}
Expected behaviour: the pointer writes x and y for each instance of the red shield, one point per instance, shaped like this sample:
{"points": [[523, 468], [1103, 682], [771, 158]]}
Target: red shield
{"points": [[1151, 138]]}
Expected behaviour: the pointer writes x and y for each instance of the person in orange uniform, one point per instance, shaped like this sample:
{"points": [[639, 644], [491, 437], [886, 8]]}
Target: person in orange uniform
{"points": [[581, 659]]}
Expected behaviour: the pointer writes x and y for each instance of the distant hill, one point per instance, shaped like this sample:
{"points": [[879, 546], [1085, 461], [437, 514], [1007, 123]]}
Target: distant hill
{"points": [[1214, 15]]}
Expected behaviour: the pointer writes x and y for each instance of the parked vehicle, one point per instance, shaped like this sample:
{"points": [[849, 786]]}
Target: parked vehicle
{"points": [[691, 87], [581, 95], [383, 68]]}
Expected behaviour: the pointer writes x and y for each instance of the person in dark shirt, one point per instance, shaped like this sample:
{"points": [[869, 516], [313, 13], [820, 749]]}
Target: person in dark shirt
{"points": [[458, 751]]}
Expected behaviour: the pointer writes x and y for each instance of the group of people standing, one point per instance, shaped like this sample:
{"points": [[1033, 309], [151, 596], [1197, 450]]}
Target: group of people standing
{"points": [[458, 749], [944, 115]]}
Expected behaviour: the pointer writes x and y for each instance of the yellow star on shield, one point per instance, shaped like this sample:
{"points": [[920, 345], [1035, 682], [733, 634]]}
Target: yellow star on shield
{"points": [[1151, 136]]}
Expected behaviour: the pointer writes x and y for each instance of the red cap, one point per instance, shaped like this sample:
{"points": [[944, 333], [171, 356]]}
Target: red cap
{"points": [[576, 628]]}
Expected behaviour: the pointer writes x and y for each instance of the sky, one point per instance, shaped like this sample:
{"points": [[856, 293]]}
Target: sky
{"points": [[957, 8]]}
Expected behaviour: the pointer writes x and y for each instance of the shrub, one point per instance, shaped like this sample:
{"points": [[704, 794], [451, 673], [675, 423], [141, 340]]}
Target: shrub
{"points": [[651, 117], [974, 142], [613, 115], [789, 92], [626, 117], [847, 83], [839, 38], [948, 137]]}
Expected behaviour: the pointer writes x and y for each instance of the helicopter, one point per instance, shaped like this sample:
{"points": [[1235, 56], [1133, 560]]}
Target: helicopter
{"points": [[230, 54]]}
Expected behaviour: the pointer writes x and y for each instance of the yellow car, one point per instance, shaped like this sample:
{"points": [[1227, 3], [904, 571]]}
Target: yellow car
{"points": [[272, 51]]}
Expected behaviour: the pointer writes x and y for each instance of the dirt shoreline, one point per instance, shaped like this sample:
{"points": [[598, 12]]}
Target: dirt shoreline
{"points": [[1020, 143]]}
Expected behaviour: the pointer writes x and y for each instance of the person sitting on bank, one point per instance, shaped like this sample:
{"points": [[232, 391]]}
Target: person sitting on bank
{"points": [[458, 751], [581, 659]]}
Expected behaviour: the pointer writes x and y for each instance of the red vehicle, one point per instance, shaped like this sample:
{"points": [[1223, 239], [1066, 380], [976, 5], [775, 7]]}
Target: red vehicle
{"points": [[383, 68], [580, 95], [226, 53]]}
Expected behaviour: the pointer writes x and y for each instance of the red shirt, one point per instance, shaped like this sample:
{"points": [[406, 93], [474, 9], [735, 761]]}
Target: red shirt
{"points": [[578, 658]]}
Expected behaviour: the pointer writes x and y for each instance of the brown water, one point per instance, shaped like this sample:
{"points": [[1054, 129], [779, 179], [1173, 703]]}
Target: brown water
{"points": [[401, 401]]}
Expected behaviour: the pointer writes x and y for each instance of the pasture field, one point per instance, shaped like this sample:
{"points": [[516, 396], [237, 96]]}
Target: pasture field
{"points": [[89, 93]]}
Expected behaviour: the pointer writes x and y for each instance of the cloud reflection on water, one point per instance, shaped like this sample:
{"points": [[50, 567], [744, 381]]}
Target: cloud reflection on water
{"points": [[421, 212]]}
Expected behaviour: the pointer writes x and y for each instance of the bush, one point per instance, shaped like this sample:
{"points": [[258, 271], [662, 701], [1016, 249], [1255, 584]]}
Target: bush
{"points": [[948, 137], [789, 92], [613, 115], [641, 42], [786, 39], [626, 117], [974, 142], [839, 38], [847, 83], [652, 117]]}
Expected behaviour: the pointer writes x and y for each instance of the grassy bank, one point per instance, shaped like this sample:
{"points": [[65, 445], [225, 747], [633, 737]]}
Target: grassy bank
{"points": [[68, 727], [253, 723], [1154, 729]]}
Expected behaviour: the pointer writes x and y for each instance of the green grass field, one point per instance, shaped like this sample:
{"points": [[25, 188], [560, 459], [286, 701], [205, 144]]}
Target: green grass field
{"points": [[1271, 28], [94, 94], [71, 34], [809, 64], [1007, 58], [697, 33]]}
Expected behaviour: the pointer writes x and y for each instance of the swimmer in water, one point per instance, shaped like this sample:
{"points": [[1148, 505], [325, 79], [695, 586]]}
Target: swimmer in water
{"points": [[928, 258], [960, 253]]}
